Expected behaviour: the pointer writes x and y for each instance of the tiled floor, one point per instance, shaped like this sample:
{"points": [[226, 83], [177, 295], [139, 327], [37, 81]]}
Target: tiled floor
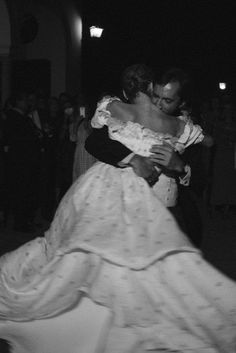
{"points": [[219, 245]]}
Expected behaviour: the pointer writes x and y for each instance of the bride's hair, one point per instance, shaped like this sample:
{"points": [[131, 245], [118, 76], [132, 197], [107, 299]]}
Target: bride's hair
{"points": [[136, 78]]}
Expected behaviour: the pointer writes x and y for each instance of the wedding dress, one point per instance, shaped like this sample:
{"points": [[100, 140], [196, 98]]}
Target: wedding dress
{"points": [[115, 252]]}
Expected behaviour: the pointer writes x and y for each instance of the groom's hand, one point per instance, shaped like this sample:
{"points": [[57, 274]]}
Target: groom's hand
{"points": [[165, 157], [145, 168]]}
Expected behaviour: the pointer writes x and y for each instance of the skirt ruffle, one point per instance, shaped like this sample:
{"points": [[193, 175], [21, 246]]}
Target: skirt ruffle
{"points": [[113, 241]]}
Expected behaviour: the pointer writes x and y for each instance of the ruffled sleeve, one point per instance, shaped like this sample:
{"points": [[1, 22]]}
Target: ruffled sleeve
{"points": [[192, 134], [102, 115]]}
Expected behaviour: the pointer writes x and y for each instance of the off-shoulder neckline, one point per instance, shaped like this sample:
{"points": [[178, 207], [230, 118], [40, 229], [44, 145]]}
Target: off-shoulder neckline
{"points": [[108, 99]]}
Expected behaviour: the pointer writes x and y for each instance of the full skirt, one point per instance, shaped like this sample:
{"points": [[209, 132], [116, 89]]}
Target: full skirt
{"points": [[113, 241]]}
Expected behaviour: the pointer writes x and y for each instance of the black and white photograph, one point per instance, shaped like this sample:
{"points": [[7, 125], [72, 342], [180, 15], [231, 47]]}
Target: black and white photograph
{"points": [[117, 176]]}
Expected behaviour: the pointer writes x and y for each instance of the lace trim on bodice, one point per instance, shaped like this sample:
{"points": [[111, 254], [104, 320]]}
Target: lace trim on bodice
{"points": [[138, 138]]}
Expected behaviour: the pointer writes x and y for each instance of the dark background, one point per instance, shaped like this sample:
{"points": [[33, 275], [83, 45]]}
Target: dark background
{"points": [[198, 36], [30, 75]]}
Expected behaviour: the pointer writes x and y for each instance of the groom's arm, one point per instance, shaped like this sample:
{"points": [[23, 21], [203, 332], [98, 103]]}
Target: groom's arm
{"points": [[171, 163], [100, 146]]}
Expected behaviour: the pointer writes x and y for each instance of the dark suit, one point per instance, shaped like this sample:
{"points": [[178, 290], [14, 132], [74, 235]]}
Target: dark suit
{"points": [[23, 162], [99, 145], [190, 198]]}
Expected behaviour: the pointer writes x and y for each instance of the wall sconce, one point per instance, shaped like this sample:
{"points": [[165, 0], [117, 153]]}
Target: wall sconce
{"points": [[95, 31], [222, 85]]}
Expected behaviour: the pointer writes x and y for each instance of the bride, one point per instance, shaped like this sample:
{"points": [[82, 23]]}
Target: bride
{"points": [[113, 241]]}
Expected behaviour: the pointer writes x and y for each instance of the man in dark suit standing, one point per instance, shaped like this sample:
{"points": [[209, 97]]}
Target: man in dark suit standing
{"points": [[22, 143]]}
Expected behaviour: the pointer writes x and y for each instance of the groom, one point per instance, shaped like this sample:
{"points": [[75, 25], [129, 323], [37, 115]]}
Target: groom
{"points": [[173, 94]]}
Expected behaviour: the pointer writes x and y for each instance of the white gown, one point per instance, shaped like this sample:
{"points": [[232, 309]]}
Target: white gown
{"points": [[113, 242]]}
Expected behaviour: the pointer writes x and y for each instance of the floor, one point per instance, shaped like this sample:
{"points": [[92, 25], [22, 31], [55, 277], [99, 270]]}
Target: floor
{"points": [[10, 240], [219, 244]]}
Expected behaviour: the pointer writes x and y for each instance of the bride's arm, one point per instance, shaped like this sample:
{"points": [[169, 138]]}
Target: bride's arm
{"points": [[99, 145], [108, 110], [197, 134]]}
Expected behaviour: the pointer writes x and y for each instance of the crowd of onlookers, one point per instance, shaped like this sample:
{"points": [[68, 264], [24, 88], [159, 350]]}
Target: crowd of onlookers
{"points": [[38, 139], [37, 145], [218, 119]]}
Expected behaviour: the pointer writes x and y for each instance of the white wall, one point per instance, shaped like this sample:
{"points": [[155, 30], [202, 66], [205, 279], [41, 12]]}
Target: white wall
{"points": [[56, 41], [49, 44]]}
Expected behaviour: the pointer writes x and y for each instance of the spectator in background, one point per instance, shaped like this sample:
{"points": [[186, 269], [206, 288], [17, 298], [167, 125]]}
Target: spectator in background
{"points": [[50, 120], [82, 159], [37, 112], [52, 126], [223, 191], [23, 146], [8, 105], [54, 115], [65, 100], [66, 149], [214, 112], [210, 112], [2, 171]]}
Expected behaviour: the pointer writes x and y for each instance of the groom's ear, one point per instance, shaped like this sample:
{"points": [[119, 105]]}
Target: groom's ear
{"points": [[182, 105], [150, 87], [124, 94]]}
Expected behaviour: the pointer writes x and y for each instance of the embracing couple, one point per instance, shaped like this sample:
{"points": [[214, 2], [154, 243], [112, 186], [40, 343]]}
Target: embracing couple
{"points": [[171, 94], [114, 241]]}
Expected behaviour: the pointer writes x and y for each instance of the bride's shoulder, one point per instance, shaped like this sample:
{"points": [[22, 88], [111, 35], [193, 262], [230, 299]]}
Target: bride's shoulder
{"points": [[107, 101], [120, 110], [103, 114]]}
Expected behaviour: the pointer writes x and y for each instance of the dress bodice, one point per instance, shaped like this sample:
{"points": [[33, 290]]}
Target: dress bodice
{"points": [[138, 138]]}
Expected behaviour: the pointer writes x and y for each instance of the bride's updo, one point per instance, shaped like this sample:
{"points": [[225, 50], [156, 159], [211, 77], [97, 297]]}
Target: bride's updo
{"points": [[136, 78]]}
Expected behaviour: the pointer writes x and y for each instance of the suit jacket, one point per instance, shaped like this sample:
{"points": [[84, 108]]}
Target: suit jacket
{"points": [[21, 138], [99, 145]]}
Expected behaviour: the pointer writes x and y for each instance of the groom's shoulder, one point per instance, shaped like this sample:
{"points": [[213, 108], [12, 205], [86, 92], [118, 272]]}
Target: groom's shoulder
{"points": [[97, 133]]}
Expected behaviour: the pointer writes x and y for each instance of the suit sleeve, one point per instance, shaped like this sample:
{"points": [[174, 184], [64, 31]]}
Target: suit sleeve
{"points": [[100, 146]]}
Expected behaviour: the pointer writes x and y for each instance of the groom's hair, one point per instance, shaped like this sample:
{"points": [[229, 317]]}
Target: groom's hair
{"points": [[135, 79], [175, 74]]}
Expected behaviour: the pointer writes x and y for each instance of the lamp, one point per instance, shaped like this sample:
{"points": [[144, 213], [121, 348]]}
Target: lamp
{"points": [[95, 31], [222, 85]]}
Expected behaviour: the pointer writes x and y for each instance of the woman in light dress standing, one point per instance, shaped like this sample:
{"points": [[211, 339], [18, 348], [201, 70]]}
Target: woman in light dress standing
{"points": [[82, 159]]}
